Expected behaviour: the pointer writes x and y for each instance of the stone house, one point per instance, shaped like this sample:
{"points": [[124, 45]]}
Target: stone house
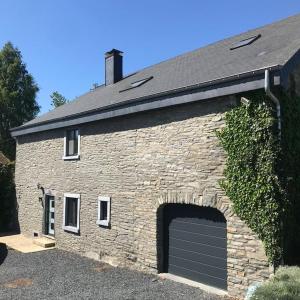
{"points": [[128, 173]]}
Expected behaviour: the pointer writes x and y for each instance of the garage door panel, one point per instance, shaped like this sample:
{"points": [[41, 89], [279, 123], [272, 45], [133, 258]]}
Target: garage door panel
{"points": [[200, 277], [198, 214], [193, 265], [199, 221], [208, 228], [196, 247], [206, 259], [197, 238]]}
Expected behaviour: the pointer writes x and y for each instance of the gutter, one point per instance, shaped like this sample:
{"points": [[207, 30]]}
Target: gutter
{"points": [[201, 91], [278, 109], [274, 99]]}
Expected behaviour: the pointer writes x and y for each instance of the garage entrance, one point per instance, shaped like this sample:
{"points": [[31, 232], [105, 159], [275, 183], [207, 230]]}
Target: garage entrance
{"points": [[195, 243]]}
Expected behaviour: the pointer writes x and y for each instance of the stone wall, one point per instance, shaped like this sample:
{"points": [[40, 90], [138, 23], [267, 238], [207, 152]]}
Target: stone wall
{"points": [[141, 161]]}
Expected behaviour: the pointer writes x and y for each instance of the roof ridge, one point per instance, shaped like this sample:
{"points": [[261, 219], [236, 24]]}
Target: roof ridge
{"points": [[217, 42]]}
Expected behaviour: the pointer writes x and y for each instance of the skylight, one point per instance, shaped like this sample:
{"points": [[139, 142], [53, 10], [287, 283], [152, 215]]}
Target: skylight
{"points": [[245, 42], [137, 83]]}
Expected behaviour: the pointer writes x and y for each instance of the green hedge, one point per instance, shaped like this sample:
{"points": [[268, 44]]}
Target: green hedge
{"points": [[7, 197]]}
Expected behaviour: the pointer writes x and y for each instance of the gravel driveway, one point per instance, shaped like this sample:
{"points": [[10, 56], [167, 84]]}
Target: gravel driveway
{"points": [[56, 274]]}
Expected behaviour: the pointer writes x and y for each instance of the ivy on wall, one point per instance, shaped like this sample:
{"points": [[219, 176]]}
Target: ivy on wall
{"points": [[262, 173], [252, 182]]}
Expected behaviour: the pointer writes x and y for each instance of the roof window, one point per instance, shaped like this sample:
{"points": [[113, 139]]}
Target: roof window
{"points": [[245, 42], [136, 84]]}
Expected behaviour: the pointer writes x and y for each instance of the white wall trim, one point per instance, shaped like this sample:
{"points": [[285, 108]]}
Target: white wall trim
{"points": [[71, 228], [65, 157], [71, 157], [103, 222]]}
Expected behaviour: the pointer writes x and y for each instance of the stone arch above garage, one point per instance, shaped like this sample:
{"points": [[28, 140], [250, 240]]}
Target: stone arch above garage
{"points": [[208, 198]]}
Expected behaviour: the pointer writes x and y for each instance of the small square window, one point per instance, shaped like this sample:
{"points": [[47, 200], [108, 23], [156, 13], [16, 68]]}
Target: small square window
{"points": [[103, 211], [71, 212], [72, 144]]}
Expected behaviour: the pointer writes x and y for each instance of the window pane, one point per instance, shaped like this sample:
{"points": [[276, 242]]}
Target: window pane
{"points": [[71, 212], [103, 210], [71, 147], [75, 142], [75, 212], [72, 142]]}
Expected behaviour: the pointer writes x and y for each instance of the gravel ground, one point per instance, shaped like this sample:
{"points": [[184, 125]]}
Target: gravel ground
{"points": [[56, 274]]}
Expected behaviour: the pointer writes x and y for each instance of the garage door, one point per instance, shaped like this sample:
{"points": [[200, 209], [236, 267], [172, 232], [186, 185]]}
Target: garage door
{"points": [[195, 244]]}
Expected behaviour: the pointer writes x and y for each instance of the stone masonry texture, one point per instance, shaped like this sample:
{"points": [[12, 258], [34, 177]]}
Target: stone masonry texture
{"points": [[142, 162]]}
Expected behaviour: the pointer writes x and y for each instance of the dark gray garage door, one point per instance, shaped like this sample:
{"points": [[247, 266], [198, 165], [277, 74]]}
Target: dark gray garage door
{"points": [[196, 244]]}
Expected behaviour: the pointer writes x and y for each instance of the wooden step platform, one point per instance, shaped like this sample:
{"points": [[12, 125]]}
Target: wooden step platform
{"points": [[44, 242], [23, 243]]}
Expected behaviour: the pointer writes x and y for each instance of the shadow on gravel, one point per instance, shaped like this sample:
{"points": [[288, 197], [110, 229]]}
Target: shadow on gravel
{"points": [[3, 252]]}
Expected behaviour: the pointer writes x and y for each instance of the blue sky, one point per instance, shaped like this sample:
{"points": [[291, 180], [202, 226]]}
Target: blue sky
{"points": [[63, 41]]}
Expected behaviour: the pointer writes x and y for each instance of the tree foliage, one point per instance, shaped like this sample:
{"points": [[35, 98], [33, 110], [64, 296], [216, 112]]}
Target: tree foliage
{"points": [[7, 196], [17, 96], [57, 99]]}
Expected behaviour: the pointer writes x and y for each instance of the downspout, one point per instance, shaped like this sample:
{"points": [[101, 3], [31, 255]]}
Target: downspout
{"points": [[274, 99], [278, 110]]}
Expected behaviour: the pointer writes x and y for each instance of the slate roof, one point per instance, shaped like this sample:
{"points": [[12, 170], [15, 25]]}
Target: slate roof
{"points": [[278, 43]]}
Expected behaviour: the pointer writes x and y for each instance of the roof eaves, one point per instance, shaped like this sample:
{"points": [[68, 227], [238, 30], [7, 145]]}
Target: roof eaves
{"points": [[231, 80]]}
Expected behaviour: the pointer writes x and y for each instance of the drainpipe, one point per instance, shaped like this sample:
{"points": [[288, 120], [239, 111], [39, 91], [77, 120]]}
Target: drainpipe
{"points": [[278, 109], [274, 99]]}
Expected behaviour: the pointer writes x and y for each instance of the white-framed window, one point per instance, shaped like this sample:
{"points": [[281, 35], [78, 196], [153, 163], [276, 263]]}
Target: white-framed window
{"points": [[71, 219], [103, 211], [72, 144]]}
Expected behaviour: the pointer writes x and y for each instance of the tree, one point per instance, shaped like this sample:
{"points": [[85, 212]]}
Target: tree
{"points": [[58, 99], [17, 96]]}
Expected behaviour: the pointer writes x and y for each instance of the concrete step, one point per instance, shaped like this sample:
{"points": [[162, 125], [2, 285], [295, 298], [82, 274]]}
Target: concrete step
{"points": [[44, 242]]}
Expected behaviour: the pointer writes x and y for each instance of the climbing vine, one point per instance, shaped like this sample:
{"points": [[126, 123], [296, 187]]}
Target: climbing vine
{"points": [[262, 174], [252, 182]]}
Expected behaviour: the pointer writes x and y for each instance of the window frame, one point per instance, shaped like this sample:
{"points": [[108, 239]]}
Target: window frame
{"points": [[74, 229], [106, 222], [70, 157]]}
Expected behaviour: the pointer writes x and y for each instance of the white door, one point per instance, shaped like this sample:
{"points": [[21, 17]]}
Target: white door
{"points": [[51, 216]]}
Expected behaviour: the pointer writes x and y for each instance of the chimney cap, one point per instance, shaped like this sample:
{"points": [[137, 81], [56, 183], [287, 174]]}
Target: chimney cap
{"points": [[113, 52]]}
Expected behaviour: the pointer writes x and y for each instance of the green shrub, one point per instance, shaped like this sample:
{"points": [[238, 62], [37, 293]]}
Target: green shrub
{"points": [[7, 197], [285, 285]]}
